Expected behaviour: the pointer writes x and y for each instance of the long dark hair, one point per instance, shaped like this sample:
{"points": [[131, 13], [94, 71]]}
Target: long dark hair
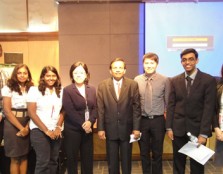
{"points": [[13, 82], [42, 84]]}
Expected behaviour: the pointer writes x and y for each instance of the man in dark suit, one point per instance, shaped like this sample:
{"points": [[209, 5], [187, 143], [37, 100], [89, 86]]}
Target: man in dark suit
{"points": [[118, 116], [190, 109]]}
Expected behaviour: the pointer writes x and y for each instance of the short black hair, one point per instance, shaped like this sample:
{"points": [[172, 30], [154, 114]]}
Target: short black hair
{"points": [[189, 50], [117, 60]]}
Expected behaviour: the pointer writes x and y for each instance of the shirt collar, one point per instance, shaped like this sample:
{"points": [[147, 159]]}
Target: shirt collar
{"points": [[115, 81], [150, 77], [47, 91], [193, 75]]}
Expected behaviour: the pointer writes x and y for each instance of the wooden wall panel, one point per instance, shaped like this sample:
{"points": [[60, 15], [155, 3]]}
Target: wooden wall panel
{"points": [[96, 33], [39, 49]]}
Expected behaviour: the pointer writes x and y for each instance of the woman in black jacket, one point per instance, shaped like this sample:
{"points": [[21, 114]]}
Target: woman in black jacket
{"points": [[218, 122], [79, 102]]}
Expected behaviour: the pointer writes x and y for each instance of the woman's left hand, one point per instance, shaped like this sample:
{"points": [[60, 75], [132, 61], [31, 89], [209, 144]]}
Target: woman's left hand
{"points": [[87, 126], [24, 132], [58, 133]]}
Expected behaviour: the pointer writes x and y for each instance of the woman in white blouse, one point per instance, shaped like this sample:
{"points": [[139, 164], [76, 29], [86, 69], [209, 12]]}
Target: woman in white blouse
{"points": [[16, 129], [44, 108]]}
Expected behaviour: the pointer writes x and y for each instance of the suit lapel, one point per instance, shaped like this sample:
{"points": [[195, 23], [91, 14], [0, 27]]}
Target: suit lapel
{"points": [[76, 90], [183, 83], [112, 89], [87, 90], [196, 82], [123, 89]]}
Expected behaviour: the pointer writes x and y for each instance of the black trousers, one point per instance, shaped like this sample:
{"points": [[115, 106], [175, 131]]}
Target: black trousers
{"points": [[1, 129], [75, 142], [179, 159], [118, 150], [153, 132], [47, 152]]}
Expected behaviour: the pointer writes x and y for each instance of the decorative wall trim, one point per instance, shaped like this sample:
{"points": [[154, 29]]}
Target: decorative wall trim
{"points": [[28, 36], [134, 1]]}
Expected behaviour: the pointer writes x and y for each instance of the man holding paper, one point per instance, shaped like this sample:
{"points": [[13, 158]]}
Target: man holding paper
{"points": [[118, 116], [190, 108], [154, 90]]}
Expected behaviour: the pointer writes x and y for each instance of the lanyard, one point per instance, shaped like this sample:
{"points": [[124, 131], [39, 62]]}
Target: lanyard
{"points": [[52, 111], [87, 114]]}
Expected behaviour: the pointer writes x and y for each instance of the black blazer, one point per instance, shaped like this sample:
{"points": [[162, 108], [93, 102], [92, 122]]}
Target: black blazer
{"points": [[118, 118], [74, 105], [219, 94], [191, 113]]}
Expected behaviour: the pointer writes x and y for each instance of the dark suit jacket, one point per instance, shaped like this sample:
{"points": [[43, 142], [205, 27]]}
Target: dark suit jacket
{"points": [[191, 113], [74, 105], [118, 118]]}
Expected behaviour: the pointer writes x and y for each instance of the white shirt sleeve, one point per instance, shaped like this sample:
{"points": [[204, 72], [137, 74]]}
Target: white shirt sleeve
{"points": [[32, 94], [6, 92]]}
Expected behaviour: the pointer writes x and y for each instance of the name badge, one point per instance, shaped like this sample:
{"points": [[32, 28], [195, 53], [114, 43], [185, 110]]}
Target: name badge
{"points": [[87, 115]]}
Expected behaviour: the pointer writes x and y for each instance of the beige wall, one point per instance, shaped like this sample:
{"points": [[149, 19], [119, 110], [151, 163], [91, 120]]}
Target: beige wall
{"points": [[98, 32]]}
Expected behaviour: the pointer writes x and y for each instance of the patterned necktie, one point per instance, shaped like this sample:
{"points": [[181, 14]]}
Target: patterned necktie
{"points": [[188, 84], [148, 97]]}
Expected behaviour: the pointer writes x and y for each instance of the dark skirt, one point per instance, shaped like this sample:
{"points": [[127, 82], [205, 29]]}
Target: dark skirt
{"points": [[15, 146]]}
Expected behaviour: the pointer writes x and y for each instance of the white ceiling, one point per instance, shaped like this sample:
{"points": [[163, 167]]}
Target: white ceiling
{"points": [[28, 16], [42, 15]]}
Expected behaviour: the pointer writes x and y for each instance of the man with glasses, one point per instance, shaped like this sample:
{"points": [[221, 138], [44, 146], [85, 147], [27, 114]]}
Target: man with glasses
{"points": [[190, 108]]}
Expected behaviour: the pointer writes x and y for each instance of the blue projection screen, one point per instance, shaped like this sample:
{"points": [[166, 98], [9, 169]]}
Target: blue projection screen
{"points": [[171, 27]]}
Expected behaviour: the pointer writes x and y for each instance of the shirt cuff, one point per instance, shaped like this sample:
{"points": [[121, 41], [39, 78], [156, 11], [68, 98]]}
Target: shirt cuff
{"points": [[204, 136]]}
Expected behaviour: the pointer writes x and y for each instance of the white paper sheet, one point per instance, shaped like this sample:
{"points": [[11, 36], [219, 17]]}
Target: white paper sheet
{"points": [[201, 154], [132, 139]]}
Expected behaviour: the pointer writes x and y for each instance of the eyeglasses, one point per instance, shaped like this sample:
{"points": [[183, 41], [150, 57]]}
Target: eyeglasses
{"points": [[191, 59], [79, 73]]}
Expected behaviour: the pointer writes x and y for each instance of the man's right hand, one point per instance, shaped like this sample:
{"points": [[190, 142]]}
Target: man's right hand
{"points": [[170, 134], [101, 135]]}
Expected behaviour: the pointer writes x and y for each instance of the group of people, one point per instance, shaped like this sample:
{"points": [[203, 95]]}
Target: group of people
{"points": [[145, 107]]}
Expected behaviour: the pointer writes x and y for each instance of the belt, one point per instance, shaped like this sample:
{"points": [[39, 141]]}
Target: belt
{"points": [[20, 112], [151, 116]]}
